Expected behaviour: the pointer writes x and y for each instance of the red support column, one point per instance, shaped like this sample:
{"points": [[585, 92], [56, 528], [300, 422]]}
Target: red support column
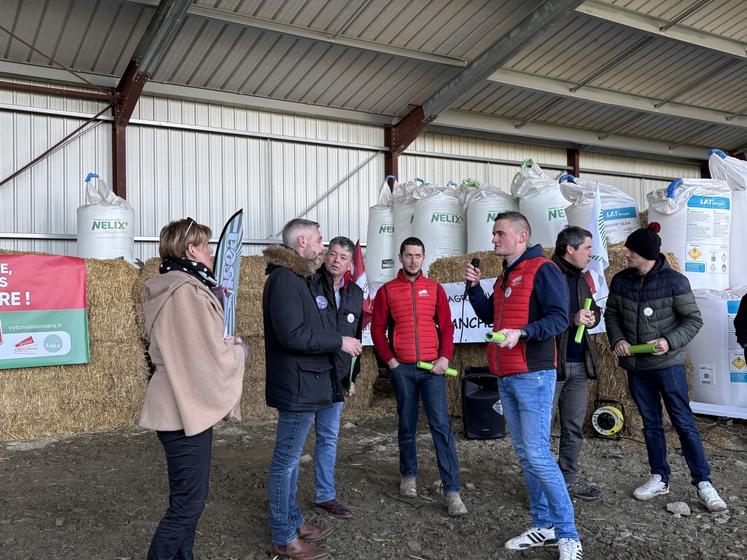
{"points": [[574, 161]]}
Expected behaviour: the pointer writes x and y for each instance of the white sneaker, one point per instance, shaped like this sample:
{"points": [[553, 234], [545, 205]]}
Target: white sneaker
{"points": [[535, 536], [570, 549], [709, 497], [654, 487]]}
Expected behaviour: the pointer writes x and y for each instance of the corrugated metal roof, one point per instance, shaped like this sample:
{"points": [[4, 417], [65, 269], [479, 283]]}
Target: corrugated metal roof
{"points": [[725, 18], [86, 35], [382, 56], [460, 29]]}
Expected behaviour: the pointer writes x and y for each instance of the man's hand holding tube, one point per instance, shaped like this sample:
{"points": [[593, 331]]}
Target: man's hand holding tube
{"points": [[351, 345]]}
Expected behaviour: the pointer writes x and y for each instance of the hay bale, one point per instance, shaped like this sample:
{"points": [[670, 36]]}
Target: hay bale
{"points": [[150, 269], [643, 217], [105, 394], [113, 292], [251, 285], [253, 397], [364, 383]]}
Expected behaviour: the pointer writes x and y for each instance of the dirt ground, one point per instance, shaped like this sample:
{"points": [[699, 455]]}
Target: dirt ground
{"points": [[101, 496]]}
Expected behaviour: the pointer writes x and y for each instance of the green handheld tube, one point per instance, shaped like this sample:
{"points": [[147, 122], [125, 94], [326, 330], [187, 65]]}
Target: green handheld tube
{"points": [[429, 366], [494, 336], [642, 349], [581, 328]]}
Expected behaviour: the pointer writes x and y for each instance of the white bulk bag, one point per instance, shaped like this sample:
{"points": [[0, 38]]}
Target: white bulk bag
{"points": [[439, 222], [404, 210], [482, 204], [619, 209], [106, 223], [719, 366], [541, 201], [695, 215], [734, 172], [380, 255]]}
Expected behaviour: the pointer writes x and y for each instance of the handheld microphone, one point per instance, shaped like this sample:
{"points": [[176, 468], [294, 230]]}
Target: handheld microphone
{"points": [[476, 263]]}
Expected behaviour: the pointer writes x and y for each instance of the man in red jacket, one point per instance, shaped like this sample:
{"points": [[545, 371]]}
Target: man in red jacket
{"points": [[412, 322]]}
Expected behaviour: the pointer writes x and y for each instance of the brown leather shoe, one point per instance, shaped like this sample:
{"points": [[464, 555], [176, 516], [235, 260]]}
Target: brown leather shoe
{"points": [[299, 550], [312, 533]]}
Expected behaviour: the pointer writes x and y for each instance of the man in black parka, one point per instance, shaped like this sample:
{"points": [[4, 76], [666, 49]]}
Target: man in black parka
{"points": [[300, 351]]}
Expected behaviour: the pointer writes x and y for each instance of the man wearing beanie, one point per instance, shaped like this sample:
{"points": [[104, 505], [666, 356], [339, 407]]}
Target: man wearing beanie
{"points": [[650, 303]]}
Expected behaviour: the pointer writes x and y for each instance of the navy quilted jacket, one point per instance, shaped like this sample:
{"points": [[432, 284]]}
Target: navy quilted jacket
{"points": [[643, 308]]}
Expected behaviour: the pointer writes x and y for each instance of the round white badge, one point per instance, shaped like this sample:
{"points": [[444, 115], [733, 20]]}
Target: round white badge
{"points": [[647, 311], [351, 317], [507, 293], [321, 302]]}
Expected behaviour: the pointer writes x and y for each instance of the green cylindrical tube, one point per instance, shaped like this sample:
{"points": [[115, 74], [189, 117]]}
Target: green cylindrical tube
{"points": [[581, 328], [429, 366], [492, 336], [642, 349]]}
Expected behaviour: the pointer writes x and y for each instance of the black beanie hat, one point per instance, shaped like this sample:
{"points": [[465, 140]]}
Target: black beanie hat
{"points": [[646, 241]]}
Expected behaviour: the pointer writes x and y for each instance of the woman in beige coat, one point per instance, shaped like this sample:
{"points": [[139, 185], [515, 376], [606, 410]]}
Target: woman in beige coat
{"points": [[197, 379]]}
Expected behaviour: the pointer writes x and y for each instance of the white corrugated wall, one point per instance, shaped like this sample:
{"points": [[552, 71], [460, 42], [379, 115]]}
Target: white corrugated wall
{"points": [[186, 159], [439, 158], [194, 159]]}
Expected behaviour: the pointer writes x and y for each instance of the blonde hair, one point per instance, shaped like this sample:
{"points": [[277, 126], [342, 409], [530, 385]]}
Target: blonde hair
{"points": [[176, 238]]}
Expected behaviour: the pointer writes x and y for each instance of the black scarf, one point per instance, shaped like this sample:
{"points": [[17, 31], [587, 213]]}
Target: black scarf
{"points": [[193, 268]]}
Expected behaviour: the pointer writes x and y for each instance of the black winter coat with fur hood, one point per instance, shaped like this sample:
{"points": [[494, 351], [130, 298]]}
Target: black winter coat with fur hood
{"points": [[299, 352]]}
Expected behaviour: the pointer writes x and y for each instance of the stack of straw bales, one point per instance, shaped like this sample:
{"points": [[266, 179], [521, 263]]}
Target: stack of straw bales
{"points": [[249, 326], [102, 395], [611, 380]]}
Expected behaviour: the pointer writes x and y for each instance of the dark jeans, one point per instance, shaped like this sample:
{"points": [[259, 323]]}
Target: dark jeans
{"points": [[188, 463], [570, 399], [648, 388], [410, 384]]}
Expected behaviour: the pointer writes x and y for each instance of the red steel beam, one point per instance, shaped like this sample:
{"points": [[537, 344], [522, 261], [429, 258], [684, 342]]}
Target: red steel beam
{"points": [[401, 135], [44, 90]]}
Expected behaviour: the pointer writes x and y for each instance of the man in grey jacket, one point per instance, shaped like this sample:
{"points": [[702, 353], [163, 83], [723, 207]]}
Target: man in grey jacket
{"points": [[650, 303]]}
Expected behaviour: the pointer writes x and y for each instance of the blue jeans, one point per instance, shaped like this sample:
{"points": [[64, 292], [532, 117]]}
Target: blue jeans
{"points": [[188, 465], [648, 388], [285, 515], [411, 383], [527, 407], [325, 453]]}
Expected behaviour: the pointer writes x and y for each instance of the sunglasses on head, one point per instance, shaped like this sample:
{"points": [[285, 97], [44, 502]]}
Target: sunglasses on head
{"points": [[191, 223]]}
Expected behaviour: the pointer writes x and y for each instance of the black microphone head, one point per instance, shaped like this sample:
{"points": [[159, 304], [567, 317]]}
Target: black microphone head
{"points": [[476, 262]]}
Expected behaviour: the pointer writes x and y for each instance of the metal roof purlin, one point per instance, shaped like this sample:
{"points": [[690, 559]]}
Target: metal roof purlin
{"points": [[690, 85], [315, 35], [614, 98], [684, 14], [652, 25], [544, 18], [566, 135], [626, 54]]}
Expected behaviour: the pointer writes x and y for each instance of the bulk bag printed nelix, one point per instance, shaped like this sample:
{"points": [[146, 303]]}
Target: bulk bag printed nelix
{"points": [[481, 205], [105, 223], [380, 250], [541, 201], [439, 221]]}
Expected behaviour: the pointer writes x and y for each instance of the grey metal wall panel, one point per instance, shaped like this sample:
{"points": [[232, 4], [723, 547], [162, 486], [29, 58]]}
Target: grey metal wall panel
{"points": [[44, 198]]}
